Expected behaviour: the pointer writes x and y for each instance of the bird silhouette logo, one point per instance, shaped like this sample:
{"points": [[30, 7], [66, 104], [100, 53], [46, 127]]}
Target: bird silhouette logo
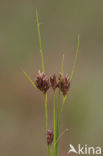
{"points": [[72, 149]]}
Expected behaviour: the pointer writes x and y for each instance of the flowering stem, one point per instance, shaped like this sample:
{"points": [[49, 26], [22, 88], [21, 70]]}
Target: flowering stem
{"points": [[51, 151], [46, 112], [48, 150], [61, 110], [54, 120], [46, 118], [58, 117], [64, 97], [63, 102], [57, 124]]}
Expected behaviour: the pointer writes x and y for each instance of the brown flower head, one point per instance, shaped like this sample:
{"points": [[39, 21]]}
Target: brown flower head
{"points": [[42, 82], [64, 84], [50, 137], [54, 82]]}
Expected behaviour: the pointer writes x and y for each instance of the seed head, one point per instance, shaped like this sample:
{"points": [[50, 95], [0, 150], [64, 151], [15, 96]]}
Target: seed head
{"points": [[42, 82], [50, 137], [54, 82], [64, 84]]}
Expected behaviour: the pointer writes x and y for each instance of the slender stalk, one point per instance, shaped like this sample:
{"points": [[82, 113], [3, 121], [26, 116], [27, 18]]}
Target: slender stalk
{"points": [[58, 111], [48, 150], [64, 97], [51, 150], [30, 80], [39, 39], [54, 120], [46, 118], [61, 110], [57, 124], [46, 112], [73, 70]]}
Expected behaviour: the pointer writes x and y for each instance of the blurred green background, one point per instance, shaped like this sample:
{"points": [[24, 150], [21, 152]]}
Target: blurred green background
{"points": [[22, 120]]}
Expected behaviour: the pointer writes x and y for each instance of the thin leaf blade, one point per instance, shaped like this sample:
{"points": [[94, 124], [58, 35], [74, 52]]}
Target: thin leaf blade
{"points": [[30, 80]]}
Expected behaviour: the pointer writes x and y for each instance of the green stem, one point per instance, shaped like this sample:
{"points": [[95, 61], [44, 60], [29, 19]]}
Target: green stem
{"points": [[46, 118], [42, 60], [57, 124], [61, 110], [51, 151], [48, 150], [54, 120], [63, 102], [46, 112], [59, 119]]}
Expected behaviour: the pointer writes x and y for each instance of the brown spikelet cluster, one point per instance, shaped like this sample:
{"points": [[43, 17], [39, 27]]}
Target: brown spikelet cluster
{"points": [[54, 82], [64, 84], [43, 83], [50, 137]]}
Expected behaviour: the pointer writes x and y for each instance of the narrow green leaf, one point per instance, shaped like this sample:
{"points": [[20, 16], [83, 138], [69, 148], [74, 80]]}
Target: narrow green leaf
{"points": [[30, 80]]}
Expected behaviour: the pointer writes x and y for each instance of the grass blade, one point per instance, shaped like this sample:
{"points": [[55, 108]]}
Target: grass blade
{"points": [[30, 80]]}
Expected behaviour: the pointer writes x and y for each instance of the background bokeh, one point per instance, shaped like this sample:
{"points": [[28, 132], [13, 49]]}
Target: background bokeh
{"points": [[22, 120]]}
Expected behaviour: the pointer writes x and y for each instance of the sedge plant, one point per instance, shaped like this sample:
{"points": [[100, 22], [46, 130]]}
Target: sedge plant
{"points": [[62, 83]]}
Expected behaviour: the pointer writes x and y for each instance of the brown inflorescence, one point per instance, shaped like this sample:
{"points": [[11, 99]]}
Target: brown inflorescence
{"points": [[54, 82], [64, 84], [42, 82], [50, 137]]}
